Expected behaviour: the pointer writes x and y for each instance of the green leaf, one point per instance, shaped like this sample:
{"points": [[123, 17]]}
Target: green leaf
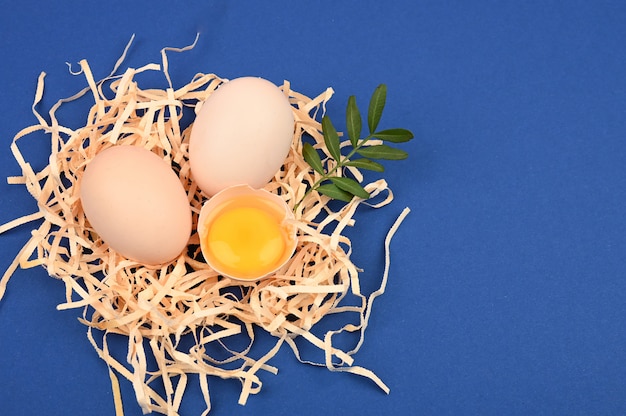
{"points": [[366, 164], [377, 103], [331, 138], [394, 135], [351, 186], [353, 121], [312, 158], [382, 151], [333, 191]]}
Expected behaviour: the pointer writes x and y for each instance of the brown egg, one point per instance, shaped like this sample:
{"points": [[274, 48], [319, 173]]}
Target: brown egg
{"points": [[137, 204]]}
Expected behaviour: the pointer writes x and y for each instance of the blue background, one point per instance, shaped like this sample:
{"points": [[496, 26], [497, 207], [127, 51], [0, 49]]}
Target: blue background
{"points": [[507, 293]]}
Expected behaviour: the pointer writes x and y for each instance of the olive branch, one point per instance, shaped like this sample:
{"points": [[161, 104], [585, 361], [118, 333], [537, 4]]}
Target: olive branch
{"points": [[362, 155]]}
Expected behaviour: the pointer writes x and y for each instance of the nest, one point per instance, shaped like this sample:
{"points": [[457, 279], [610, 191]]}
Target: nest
{"points": [[158, 308]]}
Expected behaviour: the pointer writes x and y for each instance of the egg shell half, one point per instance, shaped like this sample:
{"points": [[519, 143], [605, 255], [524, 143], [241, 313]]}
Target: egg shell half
{"points": [[261, 201], [241, 135], [137, 204]]}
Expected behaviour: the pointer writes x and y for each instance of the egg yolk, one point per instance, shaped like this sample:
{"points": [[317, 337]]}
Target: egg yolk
{"points": [[246, 239]]}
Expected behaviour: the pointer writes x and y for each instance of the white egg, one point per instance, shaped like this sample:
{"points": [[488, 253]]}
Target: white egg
{"points": [[241, 135]]}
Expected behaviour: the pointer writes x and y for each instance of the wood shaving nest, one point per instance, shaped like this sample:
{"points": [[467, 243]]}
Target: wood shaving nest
{"points": [[157, 307]]}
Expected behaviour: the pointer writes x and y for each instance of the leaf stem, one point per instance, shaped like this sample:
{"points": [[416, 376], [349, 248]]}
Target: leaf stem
{"points": [[340, 164]]}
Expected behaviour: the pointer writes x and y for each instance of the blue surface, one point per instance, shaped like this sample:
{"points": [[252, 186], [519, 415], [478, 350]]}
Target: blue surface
{"points": [[507, 293]]}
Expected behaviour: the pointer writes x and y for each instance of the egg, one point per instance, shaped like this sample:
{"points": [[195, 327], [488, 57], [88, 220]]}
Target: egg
{"points": [[246, 233], [241, 135], [136, 204]]}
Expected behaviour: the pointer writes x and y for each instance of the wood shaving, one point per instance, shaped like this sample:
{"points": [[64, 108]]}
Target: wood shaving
{"points": [[158, 307]]}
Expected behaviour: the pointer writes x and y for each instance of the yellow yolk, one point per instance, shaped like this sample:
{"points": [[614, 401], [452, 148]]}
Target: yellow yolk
{"points": [[246, 238]]}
